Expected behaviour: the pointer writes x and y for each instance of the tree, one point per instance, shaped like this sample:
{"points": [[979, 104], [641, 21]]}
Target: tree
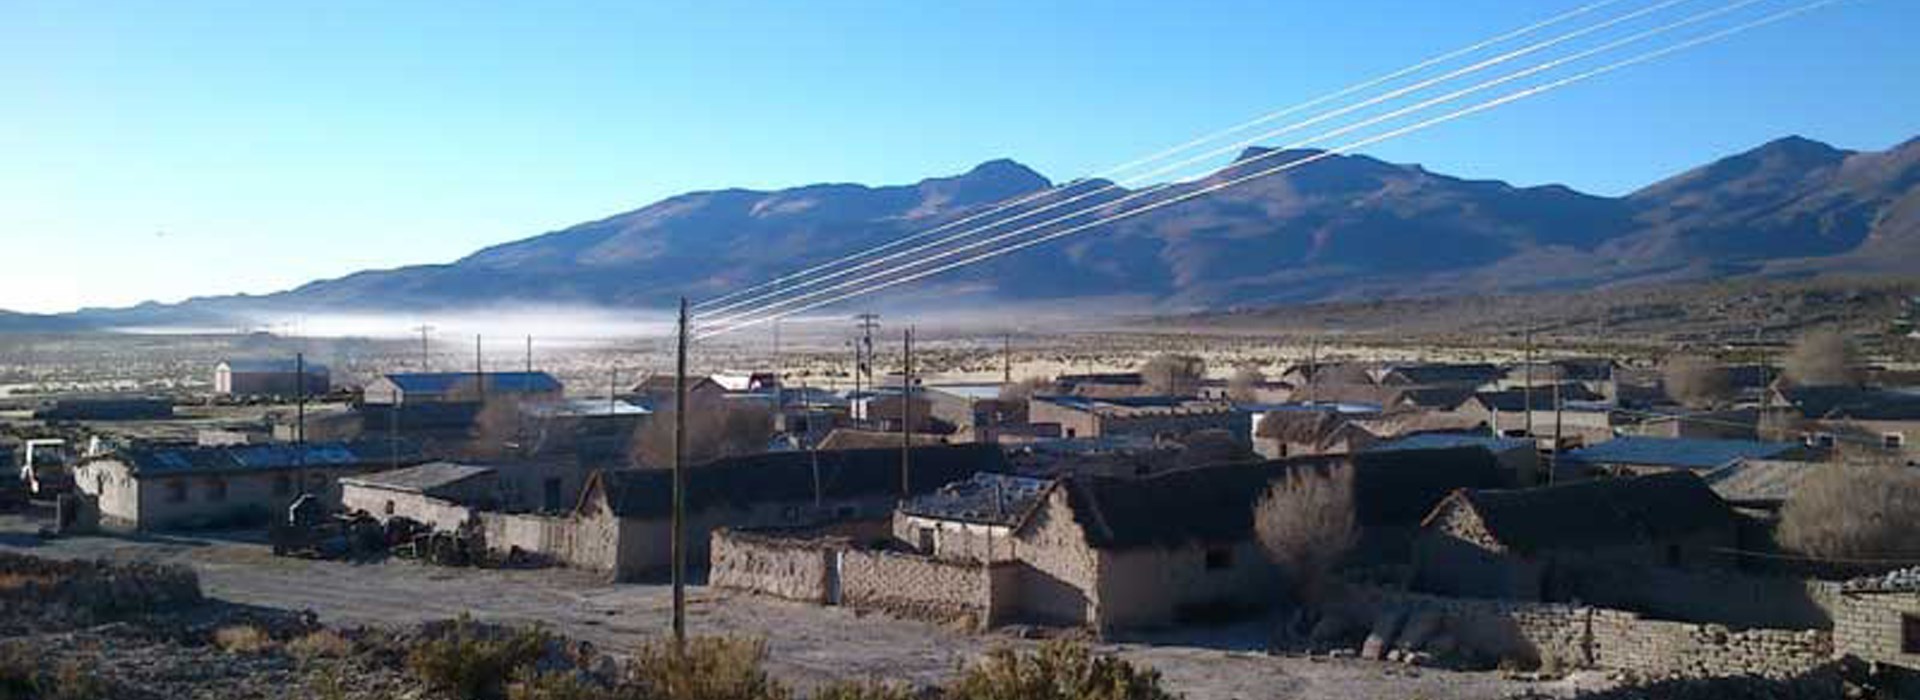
{"points": [[1695, 381], [1822, 358], [1173, 375], [1306, 524], [1243, 386], [717, 427], [1854, 510], [1024, 389]]}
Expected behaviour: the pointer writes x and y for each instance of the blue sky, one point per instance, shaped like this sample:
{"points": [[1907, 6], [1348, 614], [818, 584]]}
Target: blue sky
{"points": [[158, 150]]}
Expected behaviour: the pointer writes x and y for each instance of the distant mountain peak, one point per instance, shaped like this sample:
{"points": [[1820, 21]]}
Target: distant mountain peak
{"points": [[1277, 156], [990, 181]]}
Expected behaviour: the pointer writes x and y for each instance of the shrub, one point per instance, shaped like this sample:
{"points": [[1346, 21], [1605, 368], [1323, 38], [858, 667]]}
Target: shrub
{"points": [[711, 668], [242, 639], [1696, 381], [1173, 375], [1059, 670], [1306, 524], [863, 690], [558, 686], [1854, 511], [323, 643], [23, 677], [1244, 385], [1822, 358], [470, 662]]}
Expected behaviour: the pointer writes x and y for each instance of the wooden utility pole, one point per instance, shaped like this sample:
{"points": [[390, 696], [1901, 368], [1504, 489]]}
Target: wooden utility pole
{"points": [[479, 370], [1526, 391], [680, 487], [906, 417], [1553, 465], [1006, 358], [300, 410], [529, 354], [425, 363]]}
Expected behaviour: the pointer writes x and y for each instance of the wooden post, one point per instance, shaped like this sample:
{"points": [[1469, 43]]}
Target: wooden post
{"points": [[680, 488], [906, 417]]}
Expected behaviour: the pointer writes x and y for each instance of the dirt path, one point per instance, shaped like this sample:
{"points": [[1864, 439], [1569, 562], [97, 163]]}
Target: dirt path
{"points": [[808, 643]]}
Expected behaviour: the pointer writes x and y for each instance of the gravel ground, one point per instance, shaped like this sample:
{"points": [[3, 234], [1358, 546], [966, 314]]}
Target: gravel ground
{"points": [[809, 644]]}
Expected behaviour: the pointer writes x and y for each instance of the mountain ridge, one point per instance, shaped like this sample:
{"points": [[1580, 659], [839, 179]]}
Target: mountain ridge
{"points": [[1343, 227]]}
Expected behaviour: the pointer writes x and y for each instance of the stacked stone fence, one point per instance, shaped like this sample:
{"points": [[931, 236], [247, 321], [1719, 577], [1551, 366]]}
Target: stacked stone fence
{"points": [[802, 568], [1589, 637]]}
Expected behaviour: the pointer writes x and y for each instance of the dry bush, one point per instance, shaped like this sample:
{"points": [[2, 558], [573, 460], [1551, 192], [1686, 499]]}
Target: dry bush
{"points": [[1212, 446], [1173, 375], [1696, 382], [1058, 670], [716, 428], [559, 685], [498, 427], [710, 668], [1026, 389], [473, 664], [1243, 385], [863, 690], [1822, 358], [16, 581], [24, 677], [324, 643], [242, 639], [1306, 524], [1854, 511]]}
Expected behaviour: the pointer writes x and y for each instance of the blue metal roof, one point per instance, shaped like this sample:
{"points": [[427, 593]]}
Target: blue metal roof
{"points": [[1688, 453], [167, 460], [443, 382], [1435, 441]]}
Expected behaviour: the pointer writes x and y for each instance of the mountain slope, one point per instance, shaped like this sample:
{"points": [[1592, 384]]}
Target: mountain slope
{"points": [[1342, 228]]}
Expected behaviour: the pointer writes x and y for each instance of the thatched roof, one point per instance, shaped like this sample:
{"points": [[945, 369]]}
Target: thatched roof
{"points": [[1601, 512]]}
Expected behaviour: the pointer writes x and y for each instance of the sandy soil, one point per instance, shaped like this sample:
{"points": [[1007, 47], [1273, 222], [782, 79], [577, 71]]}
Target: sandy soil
{"points": [[809, 643]]}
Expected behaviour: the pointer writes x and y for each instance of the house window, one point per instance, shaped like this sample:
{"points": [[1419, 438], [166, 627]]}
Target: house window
{"points": [[216, 490], [926, 540], [1909, 633], [1219, 558], [1893, 441], [1072, 433], [176, 491]]}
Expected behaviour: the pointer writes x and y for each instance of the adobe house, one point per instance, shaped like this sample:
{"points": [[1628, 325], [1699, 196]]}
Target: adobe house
{"points": [[1472, 375], [1149, 417], [623, 520], [461, 387], [971, 520], [1582, 415], [1878, 618], [270, 378], [441, 494], [1852, 417], [143, 488], [1519, 458], [1562, 542], [1635, 454]]}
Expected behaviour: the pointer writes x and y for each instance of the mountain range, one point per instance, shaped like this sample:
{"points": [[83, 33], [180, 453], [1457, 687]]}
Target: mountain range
{"points": [[1345, 227]]}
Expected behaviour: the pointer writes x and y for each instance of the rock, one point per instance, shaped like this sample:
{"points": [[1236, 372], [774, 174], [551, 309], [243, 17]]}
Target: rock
{"points": [[1385, 627]]}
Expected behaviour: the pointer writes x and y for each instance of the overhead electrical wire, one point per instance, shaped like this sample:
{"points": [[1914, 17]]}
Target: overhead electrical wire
{"points": [[730, 319], [708, 304], [1395, 133]]}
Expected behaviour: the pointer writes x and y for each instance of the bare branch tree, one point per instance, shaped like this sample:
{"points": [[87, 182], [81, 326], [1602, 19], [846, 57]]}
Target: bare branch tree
{"points": [[1823, 358], [1856, 509], [1244, 385], [716, 427], [1306, 524], [1695, 381], [1174, 375]]}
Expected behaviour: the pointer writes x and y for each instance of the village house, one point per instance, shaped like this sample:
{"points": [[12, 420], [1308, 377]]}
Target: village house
{"points": [[1740, 423], [1260, 392], [142, 487], [1471, 375], [1853, 418], [1106, 385], [970, 520], [1593, 375], [461, 387], [975, 411], [279, 378], [1518, 458], [1633, 454], [659, 390], [1152, 417], [1281, 432], [442, 495], [1877, 618], [623, 517], [1571, 541], [1581, 417]]}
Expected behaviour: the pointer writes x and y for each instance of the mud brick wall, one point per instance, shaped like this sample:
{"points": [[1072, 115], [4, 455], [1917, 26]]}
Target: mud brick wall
{"points": [[922, 587], [784, 568], [1871, 625]]}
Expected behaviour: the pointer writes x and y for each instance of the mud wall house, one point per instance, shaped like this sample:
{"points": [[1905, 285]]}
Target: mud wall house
{"points": [[1581, 417], [1593, 540], [970, 520], [1296, 430], [144, 488], [623, 518], [1519, 460], [259, 377], [457, 387], [1596, 376], [974, 410], [1147, 417], [659, 390], [439, 494], [1643, 455], [1261, 392], [1882, 420], [1727, 424], [1468, 375], [1878, 618]]}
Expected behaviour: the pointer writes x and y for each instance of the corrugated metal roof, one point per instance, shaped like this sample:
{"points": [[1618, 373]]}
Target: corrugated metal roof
{"points": [[1432, 441], [1688, 453], [162, 460], [443, 382], [272, 366], [985, 498], [422, 478]]}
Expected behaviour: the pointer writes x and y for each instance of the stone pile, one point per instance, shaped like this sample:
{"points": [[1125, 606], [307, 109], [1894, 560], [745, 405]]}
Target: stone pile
{"points": [[1901, 580]]}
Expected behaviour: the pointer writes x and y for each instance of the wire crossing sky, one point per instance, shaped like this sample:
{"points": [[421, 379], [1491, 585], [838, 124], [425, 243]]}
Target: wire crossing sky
{"points": [[184, 149]]}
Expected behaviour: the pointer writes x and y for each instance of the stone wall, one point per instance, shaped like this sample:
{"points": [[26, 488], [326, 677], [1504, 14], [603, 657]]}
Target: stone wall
{"points": [[806, 566], [1870, 625], [784, 568], [1584, 636]]}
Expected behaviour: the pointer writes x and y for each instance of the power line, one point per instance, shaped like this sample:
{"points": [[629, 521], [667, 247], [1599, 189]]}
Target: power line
{"points": [[1156, 189], [779, 288], [1464, 112]]}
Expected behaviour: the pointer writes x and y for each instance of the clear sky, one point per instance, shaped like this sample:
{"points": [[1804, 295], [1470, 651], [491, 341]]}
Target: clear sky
{"points": [[159, 150]]}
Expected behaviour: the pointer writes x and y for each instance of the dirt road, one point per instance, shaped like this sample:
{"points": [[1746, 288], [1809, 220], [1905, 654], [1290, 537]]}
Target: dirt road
{"points": [[808, 643]]}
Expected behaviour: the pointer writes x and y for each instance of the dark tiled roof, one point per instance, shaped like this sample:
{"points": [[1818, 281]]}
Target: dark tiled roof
{"points": [[1683, 453], [1819, 402], [787, 477], [1216, 504], [1437, 397], [162, 460], [1430, 441], [1114, 378], [1513, 400], [995, 499], [1449, 374], [1601, 512]]}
